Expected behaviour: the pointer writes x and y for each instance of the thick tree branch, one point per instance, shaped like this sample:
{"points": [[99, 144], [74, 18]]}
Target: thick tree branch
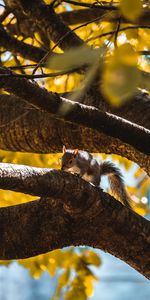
{"points": [[75, 214], [78, 113], [80, 16], [44, 16], [136, 110], [26, 128]]}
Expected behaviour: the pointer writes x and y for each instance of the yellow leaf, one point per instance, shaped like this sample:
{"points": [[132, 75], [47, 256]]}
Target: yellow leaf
{"points": [[35, 272], [75, 294], [120, 84], [141, 210], [92, 258], [120, 76], [127, 164], [126, 55], [89, 288], [5, 263], [63, 279], [132, 34], [131, 9], [138, 172], [52, 266]]}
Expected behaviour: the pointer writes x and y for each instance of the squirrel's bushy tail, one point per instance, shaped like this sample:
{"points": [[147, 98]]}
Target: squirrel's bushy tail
{"points": [[116, 181]]}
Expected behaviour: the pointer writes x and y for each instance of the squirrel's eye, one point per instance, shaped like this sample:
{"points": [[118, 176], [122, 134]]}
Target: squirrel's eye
{"points": [[70, 161]]}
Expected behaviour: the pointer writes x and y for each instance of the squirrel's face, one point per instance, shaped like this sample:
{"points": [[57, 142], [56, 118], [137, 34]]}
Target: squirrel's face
{"points": [[68, 161]]}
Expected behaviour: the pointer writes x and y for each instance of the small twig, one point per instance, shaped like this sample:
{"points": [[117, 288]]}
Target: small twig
{"points": [[24, 67], [103, 5], [19, 64], [144, 52], [116, 33], [121, 29], [78, 27], [44, 58], [2, 5], [141, 52], [54, 3], [62, 38], [28, 76]]}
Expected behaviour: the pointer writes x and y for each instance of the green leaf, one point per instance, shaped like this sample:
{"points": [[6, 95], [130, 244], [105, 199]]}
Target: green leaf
{"points": [[74, 58]]}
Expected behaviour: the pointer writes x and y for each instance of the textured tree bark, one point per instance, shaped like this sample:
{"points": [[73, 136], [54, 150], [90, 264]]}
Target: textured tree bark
{"points": [[77, 113], [28, 129], [76, 213]]}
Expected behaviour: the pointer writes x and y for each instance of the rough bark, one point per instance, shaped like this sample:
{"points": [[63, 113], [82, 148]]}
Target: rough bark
{"points": [[75, 214], [28, 129]]}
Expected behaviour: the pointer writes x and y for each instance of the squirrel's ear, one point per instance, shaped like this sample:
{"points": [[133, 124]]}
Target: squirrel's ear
{"points": [[75, 152], [64, 149]]}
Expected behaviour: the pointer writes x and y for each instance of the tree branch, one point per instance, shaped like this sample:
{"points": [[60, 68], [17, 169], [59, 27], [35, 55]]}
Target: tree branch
{"points": [[141, 101], [80, 16], [18, 47], [101, 6], [77, 113], [75, 214], [136, 110], [133, 27], [47, 134], [46, 18]]}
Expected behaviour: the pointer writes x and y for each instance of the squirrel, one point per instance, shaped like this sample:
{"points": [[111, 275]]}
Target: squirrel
{"points": [[83, 164]]}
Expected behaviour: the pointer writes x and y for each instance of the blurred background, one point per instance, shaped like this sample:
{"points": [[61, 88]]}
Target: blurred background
{"points": [[116, 281]]}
